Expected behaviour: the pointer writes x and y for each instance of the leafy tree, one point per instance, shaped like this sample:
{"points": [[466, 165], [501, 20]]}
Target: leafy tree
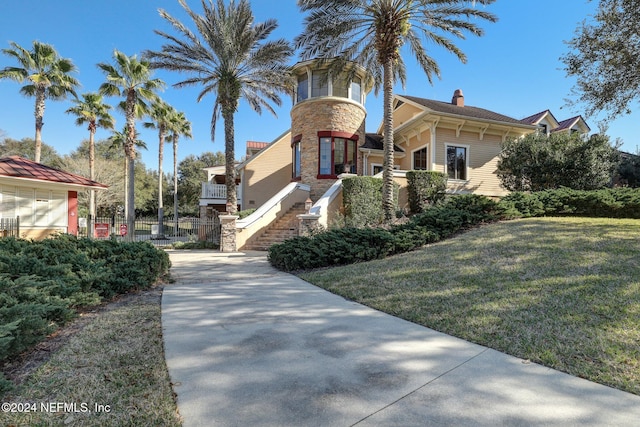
{"points": [[26, 148], [629, 170], [191, 175], [131, 78], [229, 58], [160, 114], [107, 171], [371, 33], [605, 58], [91, 110], [539, 162], [179, 126], [48, 76]]}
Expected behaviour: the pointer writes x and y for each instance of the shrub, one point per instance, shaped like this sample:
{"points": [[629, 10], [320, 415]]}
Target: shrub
{"points": [[43, 283], [333, 247], [426, 188], [614, 203], [349, 245], [362, 200]]}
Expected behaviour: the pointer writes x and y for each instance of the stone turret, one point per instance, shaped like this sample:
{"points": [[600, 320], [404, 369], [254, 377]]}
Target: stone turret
{"points": [[327, 124]]}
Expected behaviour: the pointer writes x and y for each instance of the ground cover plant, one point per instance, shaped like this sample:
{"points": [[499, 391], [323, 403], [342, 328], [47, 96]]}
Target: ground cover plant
{"points": [[45, 284], [111, 360], [348, 245], [563, 292]]}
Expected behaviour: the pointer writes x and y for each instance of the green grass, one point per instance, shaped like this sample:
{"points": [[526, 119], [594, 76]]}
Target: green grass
{"points": [[115, 360], [562, 292]]}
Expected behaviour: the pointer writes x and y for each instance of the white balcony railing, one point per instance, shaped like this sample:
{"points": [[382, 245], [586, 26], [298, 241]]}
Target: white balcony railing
{"points": [[218, 191]]}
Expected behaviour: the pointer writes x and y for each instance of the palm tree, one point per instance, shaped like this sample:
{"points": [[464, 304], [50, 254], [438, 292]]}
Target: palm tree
{"points": [[179, 125], [48, 75], [371, 33], [161, 114], [229, 58], [92, 111], [118, 141], [131, 78]]}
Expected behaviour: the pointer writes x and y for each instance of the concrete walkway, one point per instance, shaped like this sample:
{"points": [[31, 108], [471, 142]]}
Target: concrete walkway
{"points": [[247, 345]]}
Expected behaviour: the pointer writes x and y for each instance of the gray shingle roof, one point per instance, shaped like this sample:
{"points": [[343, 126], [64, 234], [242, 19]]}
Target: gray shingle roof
{"points": [[373, 141], [466, 111]]}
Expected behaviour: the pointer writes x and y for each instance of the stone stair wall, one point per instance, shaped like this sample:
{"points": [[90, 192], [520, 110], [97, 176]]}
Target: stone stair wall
{"points": [[286, 227]]}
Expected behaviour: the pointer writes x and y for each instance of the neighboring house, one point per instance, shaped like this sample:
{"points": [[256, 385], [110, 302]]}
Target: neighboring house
{"points": [[547, 123], [45, 198]]}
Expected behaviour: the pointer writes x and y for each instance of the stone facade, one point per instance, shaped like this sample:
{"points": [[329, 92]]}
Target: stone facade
{"points": [[228, 233], [321, 115]]}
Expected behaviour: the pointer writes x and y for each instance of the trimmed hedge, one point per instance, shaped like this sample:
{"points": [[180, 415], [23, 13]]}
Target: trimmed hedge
{"points": [[44, 283], [611, 203], [350, 245], [362, 200], [426, 188]]}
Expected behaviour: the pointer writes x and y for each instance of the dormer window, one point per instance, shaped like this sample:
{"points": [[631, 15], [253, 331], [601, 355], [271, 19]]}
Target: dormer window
{"points": [[543, 128]]}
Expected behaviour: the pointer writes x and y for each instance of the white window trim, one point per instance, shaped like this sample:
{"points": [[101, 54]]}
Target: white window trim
{"points": [[373, 166], [423, 147], [468, 161]]}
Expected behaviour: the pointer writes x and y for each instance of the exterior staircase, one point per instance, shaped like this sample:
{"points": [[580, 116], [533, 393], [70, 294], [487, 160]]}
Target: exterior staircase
{"points": [[282, 229]]}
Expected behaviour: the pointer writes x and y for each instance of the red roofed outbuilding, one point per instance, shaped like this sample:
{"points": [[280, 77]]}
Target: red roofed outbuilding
{"points": [[44, 198]]}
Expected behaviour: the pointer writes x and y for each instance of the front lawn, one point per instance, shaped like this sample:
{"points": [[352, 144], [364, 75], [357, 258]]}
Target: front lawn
{"points": [[563, 292]]}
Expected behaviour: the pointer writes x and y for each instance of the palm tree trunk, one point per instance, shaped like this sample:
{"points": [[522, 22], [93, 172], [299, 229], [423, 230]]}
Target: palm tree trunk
{"points": [[175, 183], [230, 162], [160, 201], [387, 172], [39, 113], [131, 211], [130, 153], [92, 176]]}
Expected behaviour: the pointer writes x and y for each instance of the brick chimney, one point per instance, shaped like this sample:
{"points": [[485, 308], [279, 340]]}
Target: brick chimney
{"points": [[458, 98]]}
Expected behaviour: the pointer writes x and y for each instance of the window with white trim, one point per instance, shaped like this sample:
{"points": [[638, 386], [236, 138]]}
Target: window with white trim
{"points": [[457, 162]]}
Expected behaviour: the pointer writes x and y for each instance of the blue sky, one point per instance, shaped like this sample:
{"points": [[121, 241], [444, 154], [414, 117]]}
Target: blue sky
{"points": [[514, 69]]}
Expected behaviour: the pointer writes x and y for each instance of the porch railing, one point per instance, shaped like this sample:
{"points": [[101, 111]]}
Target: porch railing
{"points": [[218, 191]]}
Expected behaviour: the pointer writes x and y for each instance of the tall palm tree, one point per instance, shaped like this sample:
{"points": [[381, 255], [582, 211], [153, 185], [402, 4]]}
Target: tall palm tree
{"points": [[160, 114], [372, 33], [228, 57], [118, 141], [131, 78], [179, 126], [91, 110], [48, 75]]}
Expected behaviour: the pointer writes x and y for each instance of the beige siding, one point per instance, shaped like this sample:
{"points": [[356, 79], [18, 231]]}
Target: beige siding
{"points": [[267, 173], [482, 157], [405, 113]]}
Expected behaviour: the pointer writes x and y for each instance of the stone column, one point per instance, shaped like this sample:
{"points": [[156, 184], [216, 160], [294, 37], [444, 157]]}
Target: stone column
{"points": [[308, 224], [228, 233]]}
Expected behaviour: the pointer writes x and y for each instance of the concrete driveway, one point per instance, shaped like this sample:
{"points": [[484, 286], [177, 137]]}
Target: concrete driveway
{"points": [[247, 345]]}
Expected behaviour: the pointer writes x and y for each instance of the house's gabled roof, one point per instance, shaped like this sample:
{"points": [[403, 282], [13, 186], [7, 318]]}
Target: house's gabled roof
{"points": [[570, 123], [374, 141], [535, 118], [463, 111], [21, 168]]}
